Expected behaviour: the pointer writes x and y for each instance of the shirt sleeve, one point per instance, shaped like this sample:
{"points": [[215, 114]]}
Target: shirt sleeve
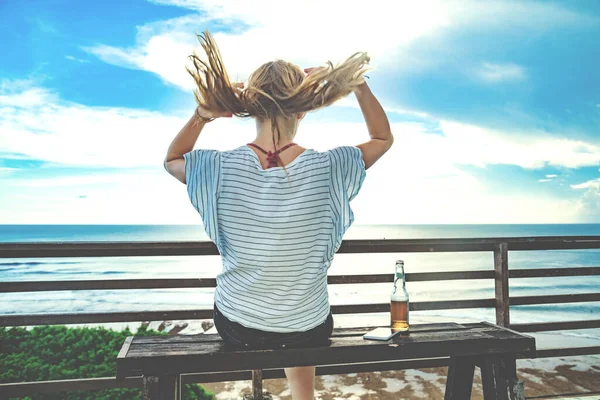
{"points": [[203, 179], [348, 168], [347, 176]]}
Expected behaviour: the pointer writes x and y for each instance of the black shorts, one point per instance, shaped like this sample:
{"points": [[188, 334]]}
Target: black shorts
{"points": [[236, 335]]}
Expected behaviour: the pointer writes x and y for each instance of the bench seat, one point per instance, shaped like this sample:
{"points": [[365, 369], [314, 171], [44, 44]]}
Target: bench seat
{"points": [[161, 360]]}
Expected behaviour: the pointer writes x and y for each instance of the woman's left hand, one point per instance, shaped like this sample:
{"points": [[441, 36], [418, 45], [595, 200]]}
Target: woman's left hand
{"points": [[205, 113]]}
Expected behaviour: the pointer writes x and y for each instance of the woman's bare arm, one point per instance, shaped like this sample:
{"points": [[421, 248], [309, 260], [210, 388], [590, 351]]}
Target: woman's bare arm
{"points": [[377, 125], [183, 143]]}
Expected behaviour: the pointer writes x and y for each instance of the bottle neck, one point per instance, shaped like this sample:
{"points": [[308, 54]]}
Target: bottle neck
{"points": [[400, 275]]}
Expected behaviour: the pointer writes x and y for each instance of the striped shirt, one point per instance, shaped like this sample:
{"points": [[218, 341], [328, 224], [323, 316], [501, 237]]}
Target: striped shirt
{"points": [[277, 238]]}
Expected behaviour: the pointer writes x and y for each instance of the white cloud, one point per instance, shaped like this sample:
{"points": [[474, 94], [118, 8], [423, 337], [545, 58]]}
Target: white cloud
{"points": [[272, 30], [588, 205], [53, 130], [72, 58], [27, 98], [427, 186], [551, 176], [496, 73], [471, 144], [544, 180], [351, 102], [594, 183], [39, 125]]}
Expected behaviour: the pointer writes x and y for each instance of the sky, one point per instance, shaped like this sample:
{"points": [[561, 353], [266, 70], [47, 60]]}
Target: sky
{"points": [[494, 105]]}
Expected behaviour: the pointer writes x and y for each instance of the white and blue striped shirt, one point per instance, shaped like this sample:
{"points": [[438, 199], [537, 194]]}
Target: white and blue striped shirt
{"points": [[276, 240]]}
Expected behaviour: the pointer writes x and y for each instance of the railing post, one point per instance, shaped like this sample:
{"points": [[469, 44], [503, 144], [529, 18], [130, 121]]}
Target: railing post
{"points": [[501, 284]]}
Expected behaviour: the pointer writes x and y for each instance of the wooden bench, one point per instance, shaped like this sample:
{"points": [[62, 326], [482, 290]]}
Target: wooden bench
{"points": [[161, 360]]}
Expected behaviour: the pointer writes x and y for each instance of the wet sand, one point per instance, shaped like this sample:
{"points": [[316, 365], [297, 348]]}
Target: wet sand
{"points": [[541, 377]]}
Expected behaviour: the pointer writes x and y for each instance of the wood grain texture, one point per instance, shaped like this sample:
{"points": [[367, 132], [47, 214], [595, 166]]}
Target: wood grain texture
{"points": [[187, 356], [187, 248], [181, 283], [257, 386], [501, 284], [460, 378]]}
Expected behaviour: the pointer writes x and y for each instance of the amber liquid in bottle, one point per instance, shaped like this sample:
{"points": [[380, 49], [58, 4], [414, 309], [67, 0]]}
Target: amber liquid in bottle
{"points": [[399, 300]]}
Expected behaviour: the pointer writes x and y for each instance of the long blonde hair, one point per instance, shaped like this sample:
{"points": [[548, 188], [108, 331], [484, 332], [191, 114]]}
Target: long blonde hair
{"points": [[276, 89]]}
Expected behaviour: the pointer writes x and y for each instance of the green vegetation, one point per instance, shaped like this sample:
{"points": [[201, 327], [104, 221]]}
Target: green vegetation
{"points": [[57, 352]]}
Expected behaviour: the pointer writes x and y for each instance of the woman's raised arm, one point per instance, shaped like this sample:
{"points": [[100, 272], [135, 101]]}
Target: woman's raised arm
{"points": [[377, 125]]}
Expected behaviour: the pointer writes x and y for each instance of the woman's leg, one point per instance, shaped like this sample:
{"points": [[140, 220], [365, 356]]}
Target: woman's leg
{"points": [[302, 382]]}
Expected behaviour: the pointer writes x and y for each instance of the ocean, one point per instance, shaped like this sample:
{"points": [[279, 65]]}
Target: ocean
{"points": [[12, 270]]}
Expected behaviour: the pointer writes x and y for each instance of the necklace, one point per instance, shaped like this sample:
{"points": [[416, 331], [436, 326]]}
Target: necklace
{"points": [[272, 156]]}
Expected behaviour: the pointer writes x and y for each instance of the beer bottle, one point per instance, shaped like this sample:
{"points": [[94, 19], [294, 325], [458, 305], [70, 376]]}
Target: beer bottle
{"points": [[399, 300]]}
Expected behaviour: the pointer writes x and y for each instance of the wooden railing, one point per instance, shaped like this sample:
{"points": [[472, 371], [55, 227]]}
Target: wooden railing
{"points": [[501, 302]]}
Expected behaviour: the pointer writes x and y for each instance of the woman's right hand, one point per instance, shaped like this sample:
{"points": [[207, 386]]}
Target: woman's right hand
{"points": [[311, 70], [361, 86]]}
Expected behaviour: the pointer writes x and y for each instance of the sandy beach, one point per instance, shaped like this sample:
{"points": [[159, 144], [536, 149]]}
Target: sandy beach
{"points": [[541, 377]]}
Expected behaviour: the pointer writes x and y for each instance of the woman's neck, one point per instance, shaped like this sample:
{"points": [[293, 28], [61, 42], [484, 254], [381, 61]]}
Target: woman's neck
{"points": [[264, 137]]}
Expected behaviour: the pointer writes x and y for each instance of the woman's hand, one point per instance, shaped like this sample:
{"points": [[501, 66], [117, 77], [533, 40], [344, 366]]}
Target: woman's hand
{"points": [[359, 88], [206, 114], [308, 71]]}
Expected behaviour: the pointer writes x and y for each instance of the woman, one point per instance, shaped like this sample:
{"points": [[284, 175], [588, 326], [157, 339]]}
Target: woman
{"points": [[276, 211]]}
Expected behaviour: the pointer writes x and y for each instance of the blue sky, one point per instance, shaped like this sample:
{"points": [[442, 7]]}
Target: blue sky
{"points": [[495, 106]]}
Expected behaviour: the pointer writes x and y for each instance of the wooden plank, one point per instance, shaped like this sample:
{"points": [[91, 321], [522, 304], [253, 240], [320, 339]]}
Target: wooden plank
{"points": [[554, 272], [493, 379], [557, 298], [558, 245], [133, 316], [185, 358], [556, 326], [460, 378], [125, 347], [567, 351], [501, 284], [564, 396], [355, 279], [338, 332], [106, 284], [257, 386], [77, 318], [448, 276], [496, 329], [170, 387], [123, 352], [165, 387], [150, 389], [22, 389], [128, 249], [181, 283], [106, 249], [499, 378], [169, 348], [451, 304], [516, 388]]}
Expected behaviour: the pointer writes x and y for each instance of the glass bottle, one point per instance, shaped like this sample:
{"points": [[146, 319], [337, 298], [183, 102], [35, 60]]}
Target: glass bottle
{"points": [[399, 300]]}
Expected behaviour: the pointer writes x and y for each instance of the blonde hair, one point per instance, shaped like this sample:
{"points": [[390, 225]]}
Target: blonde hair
{"points": [[277, 89]]}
